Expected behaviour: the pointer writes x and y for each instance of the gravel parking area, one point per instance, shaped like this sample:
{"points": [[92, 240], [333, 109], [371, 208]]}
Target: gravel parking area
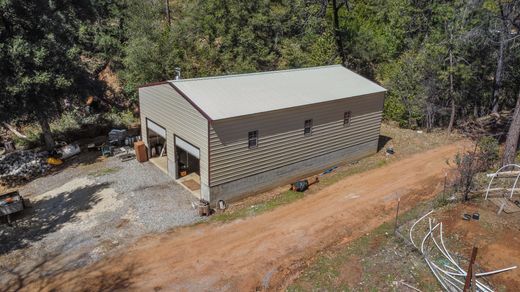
{"points": [[91, 208]]}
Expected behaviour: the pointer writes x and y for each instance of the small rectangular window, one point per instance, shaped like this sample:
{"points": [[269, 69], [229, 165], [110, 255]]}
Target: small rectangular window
{"points": [[252, 139], [346, 118], [307, 130]]}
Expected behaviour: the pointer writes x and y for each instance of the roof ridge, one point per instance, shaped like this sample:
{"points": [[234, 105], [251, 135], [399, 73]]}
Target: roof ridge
{"points": [[256, 73]]}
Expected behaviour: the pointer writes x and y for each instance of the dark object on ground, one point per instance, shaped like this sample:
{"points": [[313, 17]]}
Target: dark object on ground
{"points": [[117, 137], [390, 150], [517, 203], [130, 140], [94, 146], [329, 170], [221, 205], [300, 186], [204, 209], [466, 217], [11, 203], [106, 151], [476, 216], [303, 185], [127, 157]]}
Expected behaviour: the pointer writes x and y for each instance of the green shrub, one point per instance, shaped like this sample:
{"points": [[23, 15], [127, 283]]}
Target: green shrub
{"points": [[120, 119], [488, 152], [69, 121]]}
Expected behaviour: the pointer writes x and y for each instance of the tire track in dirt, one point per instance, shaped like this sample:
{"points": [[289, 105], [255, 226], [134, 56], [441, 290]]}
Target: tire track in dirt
{"points": [[268, 250]]}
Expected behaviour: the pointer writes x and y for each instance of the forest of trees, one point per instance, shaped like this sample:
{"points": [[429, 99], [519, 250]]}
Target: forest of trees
{"points": [[443, 62]]}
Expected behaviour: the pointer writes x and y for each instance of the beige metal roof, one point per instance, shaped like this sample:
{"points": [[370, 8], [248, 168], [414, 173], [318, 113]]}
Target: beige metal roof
{"points": [[230, 96]]}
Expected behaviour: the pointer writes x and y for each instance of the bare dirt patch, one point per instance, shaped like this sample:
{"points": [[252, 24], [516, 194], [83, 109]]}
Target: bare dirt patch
{"points": [[497, 236]]}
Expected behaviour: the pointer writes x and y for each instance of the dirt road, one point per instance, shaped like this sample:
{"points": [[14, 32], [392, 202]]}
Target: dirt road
{"points": [[268, 250]]}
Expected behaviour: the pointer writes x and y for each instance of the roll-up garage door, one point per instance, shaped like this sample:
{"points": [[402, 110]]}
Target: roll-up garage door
{"points": [[156, 128], [186, 146]]}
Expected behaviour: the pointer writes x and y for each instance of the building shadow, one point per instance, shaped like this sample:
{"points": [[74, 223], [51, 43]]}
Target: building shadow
{"points": [[47, 216], [383, 140]]}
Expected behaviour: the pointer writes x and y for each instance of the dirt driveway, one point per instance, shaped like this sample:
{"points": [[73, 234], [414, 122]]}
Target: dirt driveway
{"points": [[267, 251]]}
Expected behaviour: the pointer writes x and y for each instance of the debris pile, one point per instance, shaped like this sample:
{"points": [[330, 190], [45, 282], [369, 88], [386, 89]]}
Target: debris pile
{"points": [[494, 124], [21, 166]]}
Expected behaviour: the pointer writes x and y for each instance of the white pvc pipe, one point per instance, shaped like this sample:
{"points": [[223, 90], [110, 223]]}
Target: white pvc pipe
{"points": [[514, 186], [449, 274], [435, 274], [437, 245], [495, 174], [413, 226], [483, 287], [495, 271], [450, 258], [451, 268], [426, 237]]}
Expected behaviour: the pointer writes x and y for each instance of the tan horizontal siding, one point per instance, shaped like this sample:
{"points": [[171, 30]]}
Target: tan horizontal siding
{"points": [[165, 106], [266, 147], [281, 140], [254, 167]]}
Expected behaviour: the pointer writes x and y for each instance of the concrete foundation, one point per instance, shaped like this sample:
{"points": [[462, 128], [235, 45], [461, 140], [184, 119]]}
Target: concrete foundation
{"points": [[289, 173]]}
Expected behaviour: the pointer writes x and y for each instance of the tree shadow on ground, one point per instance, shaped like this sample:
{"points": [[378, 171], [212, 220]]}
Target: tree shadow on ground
{"points": [[49, 273], [47, 216], [383, 140]]}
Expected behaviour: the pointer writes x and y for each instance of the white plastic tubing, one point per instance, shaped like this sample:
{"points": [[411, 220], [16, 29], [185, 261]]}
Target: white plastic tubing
{"points": [[496, 174]]}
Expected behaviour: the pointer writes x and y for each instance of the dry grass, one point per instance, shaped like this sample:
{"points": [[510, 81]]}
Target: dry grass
{"points": [[377, 261]]}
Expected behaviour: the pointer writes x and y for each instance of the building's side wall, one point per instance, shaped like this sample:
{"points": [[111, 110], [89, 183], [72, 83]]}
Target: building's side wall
{"points": [[283, 152], [165, 106]]}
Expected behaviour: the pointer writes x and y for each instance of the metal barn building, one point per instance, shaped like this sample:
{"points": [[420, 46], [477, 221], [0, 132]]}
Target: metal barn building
{"points": [[229, 136]]}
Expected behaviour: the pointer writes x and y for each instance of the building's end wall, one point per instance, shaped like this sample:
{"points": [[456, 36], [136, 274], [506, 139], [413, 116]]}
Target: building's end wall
{"points": [[163, 105]]}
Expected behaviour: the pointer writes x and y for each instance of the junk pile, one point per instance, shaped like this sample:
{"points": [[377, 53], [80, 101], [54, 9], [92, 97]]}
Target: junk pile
{"points": [[21, 166], [446, 266], [119, 141]]}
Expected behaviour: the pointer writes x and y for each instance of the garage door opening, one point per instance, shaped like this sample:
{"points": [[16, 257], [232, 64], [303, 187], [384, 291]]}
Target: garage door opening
{"points": [[188, 164], [157, 145]]}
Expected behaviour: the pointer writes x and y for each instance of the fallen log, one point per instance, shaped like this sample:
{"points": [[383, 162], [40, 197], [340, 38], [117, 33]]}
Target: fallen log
{"points": [[14, 131]]}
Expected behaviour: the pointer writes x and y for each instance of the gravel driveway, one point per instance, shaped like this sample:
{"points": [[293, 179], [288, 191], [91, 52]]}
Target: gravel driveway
{"points": [[88, 209]]}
